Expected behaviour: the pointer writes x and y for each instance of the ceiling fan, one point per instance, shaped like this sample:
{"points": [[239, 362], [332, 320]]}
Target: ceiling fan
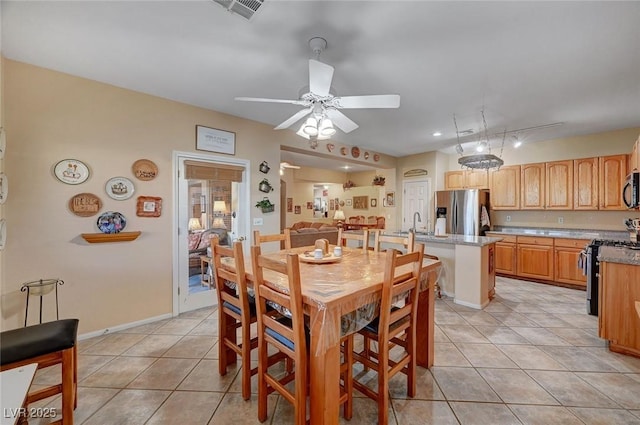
{"points": [[322, 104]]}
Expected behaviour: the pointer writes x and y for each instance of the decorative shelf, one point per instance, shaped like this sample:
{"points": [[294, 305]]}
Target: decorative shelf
{"points": [[110, 237]]}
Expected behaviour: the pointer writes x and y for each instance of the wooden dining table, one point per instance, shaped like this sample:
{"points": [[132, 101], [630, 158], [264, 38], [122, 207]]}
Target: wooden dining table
{"points": [[335, 291]]}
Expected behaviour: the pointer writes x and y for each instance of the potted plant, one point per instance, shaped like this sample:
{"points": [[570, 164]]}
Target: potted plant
{"points": [[265, 186], [378, 181], [348, 185], [265, 205]]}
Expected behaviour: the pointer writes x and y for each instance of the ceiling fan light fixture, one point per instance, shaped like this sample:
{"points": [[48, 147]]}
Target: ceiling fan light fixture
{"points": [[310, 127], [326, 128]]}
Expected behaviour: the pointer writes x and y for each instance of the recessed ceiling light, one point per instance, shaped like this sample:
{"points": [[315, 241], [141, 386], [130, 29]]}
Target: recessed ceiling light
{"points": [[346, 167], [437, 133]]}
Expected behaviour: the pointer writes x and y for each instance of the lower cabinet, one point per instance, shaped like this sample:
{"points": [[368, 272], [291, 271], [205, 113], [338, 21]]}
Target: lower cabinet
{"points": [[566, 254], [505, 258], [619, 314], [535, 261]]}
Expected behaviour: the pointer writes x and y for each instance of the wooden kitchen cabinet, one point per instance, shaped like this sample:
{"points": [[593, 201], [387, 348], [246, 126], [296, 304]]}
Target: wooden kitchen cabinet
{"points": [[559, 185], [612, 173], [505, 256], [585, 184], [534, 257], [619, 314], [634, 158], [466, 179], [566, 254], [532, 186], [505, 188]]}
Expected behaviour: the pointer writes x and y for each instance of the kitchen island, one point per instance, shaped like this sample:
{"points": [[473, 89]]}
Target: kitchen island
{"points": [[468, 262], [619, 286]]}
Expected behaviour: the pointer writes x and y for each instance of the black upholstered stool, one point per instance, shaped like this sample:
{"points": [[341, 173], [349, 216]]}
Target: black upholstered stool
{"points": [[46, 344]]}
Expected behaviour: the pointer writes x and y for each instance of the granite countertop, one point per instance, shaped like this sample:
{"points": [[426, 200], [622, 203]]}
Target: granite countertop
{"points": [[452, 239], [623, 255], [563, 233]]}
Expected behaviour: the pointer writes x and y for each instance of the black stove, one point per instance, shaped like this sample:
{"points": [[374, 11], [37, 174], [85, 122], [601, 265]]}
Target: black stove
{"points": [[591, 267]]}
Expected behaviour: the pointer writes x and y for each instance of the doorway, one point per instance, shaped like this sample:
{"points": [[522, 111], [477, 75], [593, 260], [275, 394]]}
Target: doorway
{"points": [[416, 198], [210, 195]]}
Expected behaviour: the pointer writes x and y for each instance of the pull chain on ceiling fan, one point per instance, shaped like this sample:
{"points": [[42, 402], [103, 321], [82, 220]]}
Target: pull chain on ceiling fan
{"points": [[322, 105]]}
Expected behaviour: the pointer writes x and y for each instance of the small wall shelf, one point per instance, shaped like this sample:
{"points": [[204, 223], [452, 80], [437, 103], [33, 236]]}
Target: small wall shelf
{"points": [[110, 237]]}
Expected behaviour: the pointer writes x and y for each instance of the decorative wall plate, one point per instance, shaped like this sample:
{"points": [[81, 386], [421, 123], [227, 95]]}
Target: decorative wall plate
{"points": [[376, 157], [330, 147], [111, 222], [144, 169], [4, 188], [355, 151], [71, 171], [85, 204], [3, 233], [343, 150], [120, 188], [366, 155]]}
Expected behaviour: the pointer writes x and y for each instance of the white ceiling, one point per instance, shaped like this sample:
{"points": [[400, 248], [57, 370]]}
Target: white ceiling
{"points": [[527, 63]]}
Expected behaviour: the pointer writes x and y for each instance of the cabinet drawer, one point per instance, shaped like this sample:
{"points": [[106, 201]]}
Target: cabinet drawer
{"points": [[535, 240], [505, 238], [571, 243]]}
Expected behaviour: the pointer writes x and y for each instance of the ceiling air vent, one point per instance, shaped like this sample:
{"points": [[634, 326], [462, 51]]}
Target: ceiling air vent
{"points": [[244, 8]]}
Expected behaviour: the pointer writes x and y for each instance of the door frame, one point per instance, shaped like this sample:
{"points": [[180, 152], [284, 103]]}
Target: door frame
{"points": [[244, 202]]}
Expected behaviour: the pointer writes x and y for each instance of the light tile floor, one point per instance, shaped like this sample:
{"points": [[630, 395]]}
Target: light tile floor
{"points": [[531, 357]]}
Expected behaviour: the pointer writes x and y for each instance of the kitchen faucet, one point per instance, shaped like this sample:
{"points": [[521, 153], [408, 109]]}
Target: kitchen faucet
{"points": [[413, 229]]}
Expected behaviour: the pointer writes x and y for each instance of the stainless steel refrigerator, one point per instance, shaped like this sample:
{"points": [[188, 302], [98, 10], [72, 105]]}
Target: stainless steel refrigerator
{"points": [[466, 211]]}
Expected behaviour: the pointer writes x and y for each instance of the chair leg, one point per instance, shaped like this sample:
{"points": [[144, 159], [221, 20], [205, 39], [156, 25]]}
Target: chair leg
{"points": [[383, 387], [222, 347], [246, 361], [262, 382], [348, 377], [68, 391], [75, 376]]}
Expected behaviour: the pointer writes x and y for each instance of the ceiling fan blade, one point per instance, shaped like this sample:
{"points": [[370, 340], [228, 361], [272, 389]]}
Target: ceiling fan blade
{"points": [[295, 117], [262, 99], [287, 165], [320, 76], [341, 120], [364, 102]]}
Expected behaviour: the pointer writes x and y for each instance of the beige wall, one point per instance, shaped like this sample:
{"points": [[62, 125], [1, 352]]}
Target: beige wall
{"points": [[51, 116]]}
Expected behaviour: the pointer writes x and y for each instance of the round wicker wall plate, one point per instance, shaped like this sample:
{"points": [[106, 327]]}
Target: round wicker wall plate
{"points": [[144, 169], [355, 151], [85, 204]]}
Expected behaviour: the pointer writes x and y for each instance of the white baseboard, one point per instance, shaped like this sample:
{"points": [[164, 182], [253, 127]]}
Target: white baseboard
{"points": [[467, 304], [124, 326]]}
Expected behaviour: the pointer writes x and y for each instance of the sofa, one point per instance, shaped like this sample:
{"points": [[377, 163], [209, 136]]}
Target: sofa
{"points": [[305, 233], [198, 243]]}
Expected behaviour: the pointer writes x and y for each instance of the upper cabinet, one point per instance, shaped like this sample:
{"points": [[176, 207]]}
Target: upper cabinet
{"points": [[505, 188], [634, 158], [532, 188], [559, 185], [585, 184], [612, 174], [466, 179]]}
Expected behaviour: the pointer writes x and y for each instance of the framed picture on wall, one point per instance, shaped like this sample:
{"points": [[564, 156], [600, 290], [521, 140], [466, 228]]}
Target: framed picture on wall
{"points": [[214, 140], [360, 202], [298, 209], [389, 200], [347, 202], [332, 205], [289, 204], [310, 206], [374, 202]]}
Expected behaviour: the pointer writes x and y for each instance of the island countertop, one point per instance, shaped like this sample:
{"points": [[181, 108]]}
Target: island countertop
{"points": [[622, 255], [451, 239]]}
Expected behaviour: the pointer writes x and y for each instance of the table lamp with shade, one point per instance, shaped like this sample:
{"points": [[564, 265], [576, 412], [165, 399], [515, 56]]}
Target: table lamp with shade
{"points": [[219, 211], [339, 216], [194, 224]]}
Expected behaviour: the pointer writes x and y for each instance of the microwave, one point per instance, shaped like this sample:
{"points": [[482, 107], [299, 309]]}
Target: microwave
{"points": [[631, 190]]}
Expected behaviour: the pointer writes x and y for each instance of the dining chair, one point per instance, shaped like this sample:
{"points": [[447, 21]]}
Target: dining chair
{"points": [[406, 241], [236, 309], [362, 237], [284, 238], [394, 327], [284, 333], [288, 334]]}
